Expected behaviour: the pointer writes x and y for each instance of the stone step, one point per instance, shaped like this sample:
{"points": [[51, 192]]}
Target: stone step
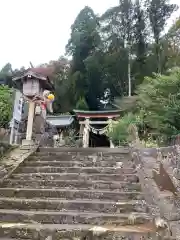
{"points": [[86, 151], [12, 239], [68, 157], [74, 163], [76, 176], [86, 184], [67, 193], [75, 231], [73, 205], [70, 194], [88, 170], [132, 237], [81, 155], [72, 217]]}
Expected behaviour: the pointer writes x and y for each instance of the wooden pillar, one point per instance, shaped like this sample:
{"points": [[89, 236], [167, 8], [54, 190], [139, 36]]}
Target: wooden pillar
{"points": [[61, 136], [81, 130], [86, 134], [111, 144], [30, 121], [12, 132], [110, 121]]}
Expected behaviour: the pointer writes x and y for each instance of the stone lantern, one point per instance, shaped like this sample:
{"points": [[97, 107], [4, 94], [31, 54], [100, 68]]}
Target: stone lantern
{"points": [[31, 84]]}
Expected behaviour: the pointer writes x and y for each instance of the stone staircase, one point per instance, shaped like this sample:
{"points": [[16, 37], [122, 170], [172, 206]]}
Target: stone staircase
{"points": [[75, 194]]}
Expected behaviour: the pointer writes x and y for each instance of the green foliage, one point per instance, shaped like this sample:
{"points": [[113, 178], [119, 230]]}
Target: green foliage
{"points": [[84, 74], [63, 89], [140, 42], [159, 99], [5, 106], [172, 39], [159, 12], [119, 131], [157, 114], [81, 104], [103, 48], [84, 35], [126, 42], [117, 28], [6, 74]]}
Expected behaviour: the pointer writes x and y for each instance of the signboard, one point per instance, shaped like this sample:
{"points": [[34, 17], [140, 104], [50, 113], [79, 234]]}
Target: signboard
{"points": [[18, 106], [18, 114]]}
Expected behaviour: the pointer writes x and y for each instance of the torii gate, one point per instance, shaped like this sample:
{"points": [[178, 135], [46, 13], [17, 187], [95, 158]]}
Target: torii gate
{"points": [[87, 120]]}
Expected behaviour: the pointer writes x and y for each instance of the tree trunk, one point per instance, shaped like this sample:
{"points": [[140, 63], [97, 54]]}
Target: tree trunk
{"points": [[129, 73]]}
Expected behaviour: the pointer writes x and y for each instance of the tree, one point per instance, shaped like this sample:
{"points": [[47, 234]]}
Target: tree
{"points": [[59, 75], [64, 98], [159, 12], [64, 101], [140, 45], [82, 45], [115, 53], [160, 101], [6, 74], [172, 39], [5, 106], [127, 19], [118, 31], [157, 114]]}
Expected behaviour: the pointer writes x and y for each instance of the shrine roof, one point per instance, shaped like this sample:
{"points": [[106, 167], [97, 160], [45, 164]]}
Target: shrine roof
{"points": [[45, 71], [42, 73], [95, 114], [60, 120]]}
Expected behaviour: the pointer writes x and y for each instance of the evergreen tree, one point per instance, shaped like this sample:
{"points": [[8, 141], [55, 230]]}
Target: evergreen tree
{"points": [[159, 12], [83, 44]]}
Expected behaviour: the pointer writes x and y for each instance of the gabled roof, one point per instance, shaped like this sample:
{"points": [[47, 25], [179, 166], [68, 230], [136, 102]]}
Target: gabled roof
{"points": [[45, 71], [43, 74], [95, 114]]}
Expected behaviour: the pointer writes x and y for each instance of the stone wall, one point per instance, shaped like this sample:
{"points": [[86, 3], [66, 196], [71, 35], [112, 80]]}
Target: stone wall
{"points": [[163, 204]]}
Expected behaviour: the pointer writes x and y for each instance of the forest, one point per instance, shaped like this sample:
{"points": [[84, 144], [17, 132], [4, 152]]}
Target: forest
{"points": [[127, 58]]}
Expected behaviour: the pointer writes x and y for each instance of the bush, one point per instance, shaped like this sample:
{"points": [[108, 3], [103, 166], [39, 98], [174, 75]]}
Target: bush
{"points": [[6, 105], [159, 100], [157, 116], [119, 132]]}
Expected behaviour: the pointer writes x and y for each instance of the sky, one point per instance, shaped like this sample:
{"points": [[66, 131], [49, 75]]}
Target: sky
{"points": [[38, 30]]}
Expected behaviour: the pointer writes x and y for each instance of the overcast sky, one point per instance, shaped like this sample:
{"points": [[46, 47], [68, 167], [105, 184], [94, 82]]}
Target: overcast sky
{"points": [[38, 30]]}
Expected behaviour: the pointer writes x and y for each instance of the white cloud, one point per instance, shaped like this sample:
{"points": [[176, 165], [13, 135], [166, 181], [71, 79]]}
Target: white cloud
{"points": [[38, 30]]}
